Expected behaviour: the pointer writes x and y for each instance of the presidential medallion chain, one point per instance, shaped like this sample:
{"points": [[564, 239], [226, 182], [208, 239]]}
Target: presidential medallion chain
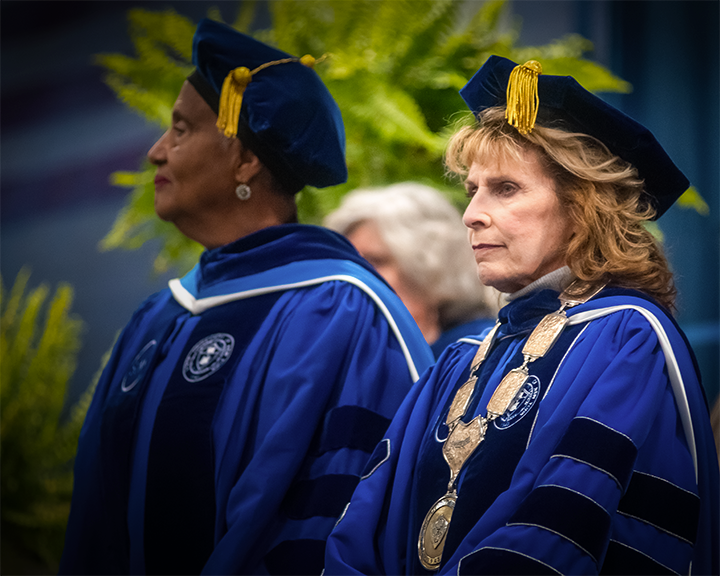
{"points": [[463, 438]]}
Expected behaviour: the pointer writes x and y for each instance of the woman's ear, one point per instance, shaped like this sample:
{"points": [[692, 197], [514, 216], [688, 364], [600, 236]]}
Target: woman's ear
{"points": [[248, 165]]}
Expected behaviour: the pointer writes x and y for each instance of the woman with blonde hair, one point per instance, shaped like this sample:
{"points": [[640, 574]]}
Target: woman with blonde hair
{"points": [[573, 437], [414, 238]]}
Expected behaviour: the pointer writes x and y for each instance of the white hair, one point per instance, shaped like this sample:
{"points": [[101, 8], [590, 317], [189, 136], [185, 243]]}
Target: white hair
{"points": [[427, 238]]}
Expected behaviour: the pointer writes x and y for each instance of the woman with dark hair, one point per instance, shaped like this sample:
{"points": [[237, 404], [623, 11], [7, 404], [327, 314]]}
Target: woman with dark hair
{"points": [[240, 405], [573, 437]]}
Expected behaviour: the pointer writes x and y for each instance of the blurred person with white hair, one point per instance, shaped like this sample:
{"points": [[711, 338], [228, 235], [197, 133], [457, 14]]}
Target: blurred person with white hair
{"points": [[415, 239]]}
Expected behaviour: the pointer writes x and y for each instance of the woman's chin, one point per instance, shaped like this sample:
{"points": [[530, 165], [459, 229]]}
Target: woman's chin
{"points": [[499, 282], [489, 278], [162, 210]]}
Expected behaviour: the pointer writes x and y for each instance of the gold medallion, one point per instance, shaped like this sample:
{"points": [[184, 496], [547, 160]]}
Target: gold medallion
{"points": [[545, 335], [433, 533], [461, 401], [461, 443], [506, 391]]}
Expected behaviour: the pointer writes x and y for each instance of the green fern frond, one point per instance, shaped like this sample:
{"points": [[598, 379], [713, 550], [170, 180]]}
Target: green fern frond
{"points": [[150, 81], [131, 179], [590, 75], [165, 28], [393, 115], [428, 35], [245, 16], [476, 35], [40, 341], [345, 27], [692, 199], [155, 109]]}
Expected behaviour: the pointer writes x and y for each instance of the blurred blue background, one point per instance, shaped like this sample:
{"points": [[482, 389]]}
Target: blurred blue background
{"points": [[62, 132]]}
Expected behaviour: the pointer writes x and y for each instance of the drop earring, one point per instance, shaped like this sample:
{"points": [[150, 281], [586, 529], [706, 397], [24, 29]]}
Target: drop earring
{"points": [[243, 191]]}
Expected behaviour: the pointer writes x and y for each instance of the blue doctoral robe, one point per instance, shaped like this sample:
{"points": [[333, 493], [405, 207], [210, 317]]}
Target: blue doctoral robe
{"points": [[238, 408], [603, 465]]}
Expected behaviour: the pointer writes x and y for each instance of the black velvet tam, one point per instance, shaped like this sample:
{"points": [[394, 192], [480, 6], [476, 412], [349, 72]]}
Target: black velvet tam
{"points": [[288, 117]]}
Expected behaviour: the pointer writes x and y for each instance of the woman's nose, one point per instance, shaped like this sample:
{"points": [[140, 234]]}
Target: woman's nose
{"points": [[475, 215], [156, 154]]}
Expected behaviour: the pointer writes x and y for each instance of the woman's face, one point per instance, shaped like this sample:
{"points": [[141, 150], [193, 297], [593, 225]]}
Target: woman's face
{"points": [[517, 228], [196, 164]]}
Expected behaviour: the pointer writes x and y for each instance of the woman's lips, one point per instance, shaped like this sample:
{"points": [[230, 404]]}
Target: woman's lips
{"points": [[482, 247], [160, 181], [484, 251]]}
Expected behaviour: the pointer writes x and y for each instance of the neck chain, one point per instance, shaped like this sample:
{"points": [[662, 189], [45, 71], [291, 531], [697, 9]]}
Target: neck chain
{"points": [[463, 439]]}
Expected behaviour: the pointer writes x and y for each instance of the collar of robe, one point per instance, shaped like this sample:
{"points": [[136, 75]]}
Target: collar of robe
{"points": [[523, 314]]}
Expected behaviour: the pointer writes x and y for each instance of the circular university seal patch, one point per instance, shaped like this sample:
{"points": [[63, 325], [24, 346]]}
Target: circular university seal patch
{"points": [[207, 357], [522, 404], [138, 367]]}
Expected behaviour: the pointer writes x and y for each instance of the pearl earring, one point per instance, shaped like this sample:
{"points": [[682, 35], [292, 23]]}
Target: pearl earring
{"points": [[243, 191]]}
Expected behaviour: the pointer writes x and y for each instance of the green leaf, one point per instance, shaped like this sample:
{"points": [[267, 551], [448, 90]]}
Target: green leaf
{"points": [[691, 199], [654, 229]]}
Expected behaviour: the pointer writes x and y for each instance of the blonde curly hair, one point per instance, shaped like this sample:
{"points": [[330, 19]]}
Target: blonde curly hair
{"points": [[602, 194]]}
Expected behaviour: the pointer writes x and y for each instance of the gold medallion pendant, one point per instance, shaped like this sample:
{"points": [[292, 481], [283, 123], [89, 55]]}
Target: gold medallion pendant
{"points": [[434, 531]]}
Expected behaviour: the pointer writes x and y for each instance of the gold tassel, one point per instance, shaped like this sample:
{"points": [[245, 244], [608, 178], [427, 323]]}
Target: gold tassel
{"points": [[233, 89], [522, 96], [231, 100]]}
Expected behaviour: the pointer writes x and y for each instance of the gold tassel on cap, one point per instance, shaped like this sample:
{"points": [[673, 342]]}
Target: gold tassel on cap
{"points": [[233, 89], [231, 100], [522, 96]]}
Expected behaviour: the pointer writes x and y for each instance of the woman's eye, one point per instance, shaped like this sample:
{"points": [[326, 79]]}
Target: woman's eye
{"points": [[506, 188]]}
